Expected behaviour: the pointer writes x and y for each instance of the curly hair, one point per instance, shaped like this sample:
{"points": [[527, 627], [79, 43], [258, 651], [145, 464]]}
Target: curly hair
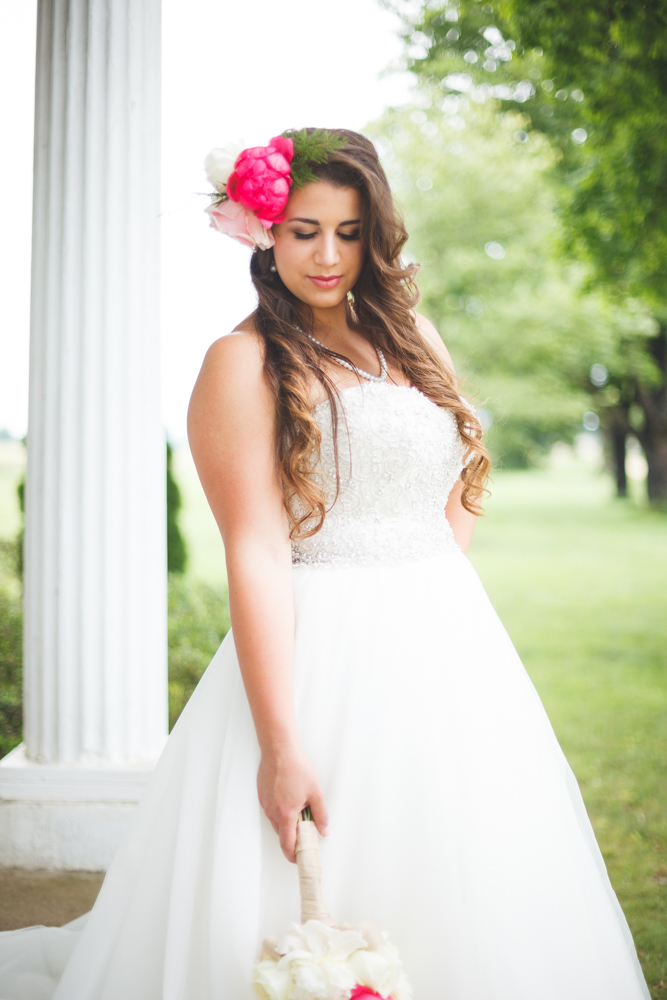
{"points": [[385, 295]]}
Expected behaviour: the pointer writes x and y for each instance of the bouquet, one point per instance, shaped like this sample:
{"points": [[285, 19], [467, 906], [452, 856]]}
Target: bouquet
{"points": [[317, 960]]}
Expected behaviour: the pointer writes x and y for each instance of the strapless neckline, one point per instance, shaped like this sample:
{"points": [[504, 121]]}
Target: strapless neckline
{"points": [[371, 385], [399, 455]]}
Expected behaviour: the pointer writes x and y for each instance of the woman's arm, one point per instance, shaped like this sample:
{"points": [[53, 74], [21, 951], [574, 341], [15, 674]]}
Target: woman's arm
{"points": [[231, 427], [462, 521]]}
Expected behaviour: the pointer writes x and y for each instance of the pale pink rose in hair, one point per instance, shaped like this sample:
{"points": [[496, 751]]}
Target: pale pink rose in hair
{"points": [[232, 219]]}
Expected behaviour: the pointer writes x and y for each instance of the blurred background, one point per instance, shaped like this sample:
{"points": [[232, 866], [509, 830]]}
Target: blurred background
{"points": [[526, 144]]}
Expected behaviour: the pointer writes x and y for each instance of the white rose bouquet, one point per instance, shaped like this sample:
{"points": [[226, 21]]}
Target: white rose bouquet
{"points": [[316, 960]]}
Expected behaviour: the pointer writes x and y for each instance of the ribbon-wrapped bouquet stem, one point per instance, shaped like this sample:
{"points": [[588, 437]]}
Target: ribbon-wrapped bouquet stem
{"points": [[318, 960]]}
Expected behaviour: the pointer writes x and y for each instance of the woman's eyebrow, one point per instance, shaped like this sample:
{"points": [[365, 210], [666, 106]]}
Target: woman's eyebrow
{"points": [[314, 222]]}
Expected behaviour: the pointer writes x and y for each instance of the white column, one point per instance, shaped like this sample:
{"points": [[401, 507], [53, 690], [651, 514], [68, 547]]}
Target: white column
{"points": [[95, 698]]}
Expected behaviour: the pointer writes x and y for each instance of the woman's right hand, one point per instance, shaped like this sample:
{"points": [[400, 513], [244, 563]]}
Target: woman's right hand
{"points": [[287, 782]]}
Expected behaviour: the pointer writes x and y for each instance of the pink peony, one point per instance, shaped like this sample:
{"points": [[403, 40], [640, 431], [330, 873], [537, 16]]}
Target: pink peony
{"points": [[261, 180], [364, 993], [234, 220]]}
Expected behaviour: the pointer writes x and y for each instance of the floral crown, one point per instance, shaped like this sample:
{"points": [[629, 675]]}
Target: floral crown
{"points": [[252, 185]]}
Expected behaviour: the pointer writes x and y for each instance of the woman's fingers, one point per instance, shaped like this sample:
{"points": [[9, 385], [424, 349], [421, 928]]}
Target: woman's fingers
{"points": [[287, 834], [286, 785], [319, 811]]}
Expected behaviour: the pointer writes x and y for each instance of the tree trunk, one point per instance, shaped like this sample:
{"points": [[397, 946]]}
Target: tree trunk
{"points": [[618, 440], [616, 432], [656, 456], [653, 437]]}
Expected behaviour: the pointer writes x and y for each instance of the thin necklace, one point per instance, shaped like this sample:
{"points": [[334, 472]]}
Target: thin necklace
{"points": [[353, 368]]}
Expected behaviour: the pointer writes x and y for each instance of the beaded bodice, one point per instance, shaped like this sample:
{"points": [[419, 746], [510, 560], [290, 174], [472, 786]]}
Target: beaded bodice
{"points": [[399, 456]]}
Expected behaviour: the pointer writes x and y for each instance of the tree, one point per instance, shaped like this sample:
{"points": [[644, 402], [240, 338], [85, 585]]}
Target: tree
{"points": [[482, 212], [592, 78], [617, 215]]}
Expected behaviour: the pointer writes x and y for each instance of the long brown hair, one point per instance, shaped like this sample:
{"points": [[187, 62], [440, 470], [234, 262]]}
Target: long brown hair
{"points": [[384, 296]]}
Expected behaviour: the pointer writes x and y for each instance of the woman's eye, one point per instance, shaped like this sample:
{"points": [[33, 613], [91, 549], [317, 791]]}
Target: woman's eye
{"points": [[304, 236], [349, 236]]}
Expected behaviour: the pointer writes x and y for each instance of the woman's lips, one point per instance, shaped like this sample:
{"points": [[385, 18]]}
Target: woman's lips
{"points": [[325, 282]]}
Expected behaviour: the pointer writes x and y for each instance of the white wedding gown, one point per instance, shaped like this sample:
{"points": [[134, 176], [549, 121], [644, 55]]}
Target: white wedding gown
{"points": [[456, 823]]}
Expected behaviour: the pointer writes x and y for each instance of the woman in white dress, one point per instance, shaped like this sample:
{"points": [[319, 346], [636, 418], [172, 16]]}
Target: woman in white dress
{"points": [[366, 674]]}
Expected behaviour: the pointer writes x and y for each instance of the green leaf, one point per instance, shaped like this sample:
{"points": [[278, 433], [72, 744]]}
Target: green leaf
{"points": [[310, 147]]}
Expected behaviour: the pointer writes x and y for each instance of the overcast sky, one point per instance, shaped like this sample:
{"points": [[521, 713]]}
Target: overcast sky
{"points": [[225, 77]]}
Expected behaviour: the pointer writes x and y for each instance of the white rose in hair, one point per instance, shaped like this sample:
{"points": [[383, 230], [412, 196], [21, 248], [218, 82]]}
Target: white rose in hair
{"points": [[219, 164]]}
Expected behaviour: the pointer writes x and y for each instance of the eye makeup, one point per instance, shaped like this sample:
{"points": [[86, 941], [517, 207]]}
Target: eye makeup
{"points": [[309, 236]]}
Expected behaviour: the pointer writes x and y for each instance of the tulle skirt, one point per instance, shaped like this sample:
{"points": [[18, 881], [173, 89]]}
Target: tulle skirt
{"points": [[456, 823]]}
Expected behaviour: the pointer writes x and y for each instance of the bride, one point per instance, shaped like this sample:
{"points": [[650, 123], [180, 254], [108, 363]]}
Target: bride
{"points": [[366, 675]]}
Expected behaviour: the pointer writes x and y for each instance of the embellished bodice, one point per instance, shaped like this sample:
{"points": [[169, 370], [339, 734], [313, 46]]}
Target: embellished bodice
{"points": [[399, 456]]}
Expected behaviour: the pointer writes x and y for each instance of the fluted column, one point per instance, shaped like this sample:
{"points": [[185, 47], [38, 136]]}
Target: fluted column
{"points": [[95, 551]]}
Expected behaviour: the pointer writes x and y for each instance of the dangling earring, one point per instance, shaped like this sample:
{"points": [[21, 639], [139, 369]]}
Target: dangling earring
{"points": [[350, 303], [273, 268]]}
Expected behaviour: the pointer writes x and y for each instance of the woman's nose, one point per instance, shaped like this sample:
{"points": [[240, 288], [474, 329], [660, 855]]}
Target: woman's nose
{"points": [[326, 252]]}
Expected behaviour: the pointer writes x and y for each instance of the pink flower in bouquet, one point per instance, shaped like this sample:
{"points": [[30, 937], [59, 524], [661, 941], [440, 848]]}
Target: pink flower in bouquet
{"points": [[363, 993], [261, 180], [232, 219]]}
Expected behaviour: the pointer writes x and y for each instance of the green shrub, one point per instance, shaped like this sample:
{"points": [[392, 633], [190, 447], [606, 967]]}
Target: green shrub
{"points": [[198, 622], [177, 553], [11, 650]]}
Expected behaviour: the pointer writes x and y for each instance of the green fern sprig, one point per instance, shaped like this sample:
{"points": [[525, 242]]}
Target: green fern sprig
{"points": [[310, 147]]}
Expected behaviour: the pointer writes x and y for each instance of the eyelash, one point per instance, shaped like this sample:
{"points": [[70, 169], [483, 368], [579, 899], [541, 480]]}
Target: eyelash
{"points": [[348, 237]]}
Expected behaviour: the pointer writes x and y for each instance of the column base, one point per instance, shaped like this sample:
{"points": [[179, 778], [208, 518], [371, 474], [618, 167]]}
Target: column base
{"points": [[66, 836], [70, 818]]}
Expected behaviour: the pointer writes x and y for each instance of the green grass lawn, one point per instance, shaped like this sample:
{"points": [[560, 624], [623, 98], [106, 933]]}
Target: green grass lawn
{"points": [[580, 581]]}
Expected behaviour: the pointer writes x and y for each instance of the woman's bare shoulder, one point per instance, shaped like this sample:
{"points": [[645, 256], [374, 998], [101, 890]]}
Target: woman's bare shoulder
{"points": [[246, 325], [429, 333], [232, 379], [239, 353]]}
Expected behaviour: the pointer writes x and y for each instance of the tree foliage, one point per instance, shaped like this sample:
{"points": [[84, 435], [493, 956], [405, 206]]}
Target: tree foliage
{"points": [[591, 78], [482, 212], [617, 52]]}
